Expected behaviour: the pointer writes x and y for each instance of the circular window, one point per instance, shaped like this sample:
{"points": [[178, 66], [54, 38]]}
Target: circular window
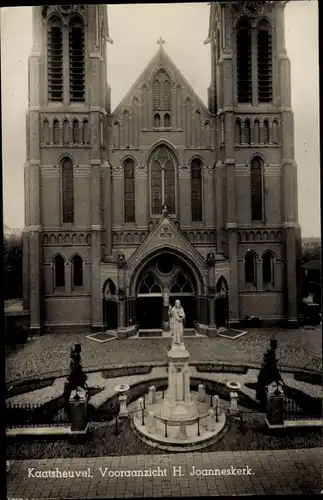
{"points": [[165, 264]]}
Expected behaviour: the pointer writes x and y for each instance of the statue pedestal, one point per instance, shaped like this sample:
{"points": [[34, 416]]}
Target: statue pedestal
{"points": [[178, 405], [78, 411]]}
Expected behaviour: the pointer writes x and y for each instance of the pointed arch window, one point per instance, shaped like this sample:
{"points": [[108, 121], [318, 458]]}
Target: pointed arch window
{"points": [[129, 191], [181, 285], [264, 62], [256, 177], [77, 60], [67, 191], [244, 72], [161, 92], [77, 271], [250, 269], [196, 190], [166, 120], [59, 272], [157, 120], [56, 132], [55, 60], [156, 94], [268, 268], [149, 285], [166, 95], [163, 182]]}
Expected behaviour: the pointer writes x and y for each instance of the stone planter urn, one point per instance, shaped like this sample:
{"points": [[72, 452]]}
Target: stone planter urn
{"points": [[122, 391]]}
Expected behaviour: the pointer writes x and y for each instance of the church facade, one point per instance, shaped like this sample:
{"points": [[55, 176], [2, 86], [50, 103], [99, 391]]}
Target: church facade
{"points": [[163, 198]]}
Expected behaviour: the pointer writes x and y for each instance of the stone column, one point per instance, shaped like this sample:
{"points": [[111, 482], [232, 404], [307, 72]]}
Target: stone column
{"points": [[142, 198], [211, 293], [121, 303], [219, 205], [107, 209], [96, 244], [166, 325], [184, 203], [68, 278]]}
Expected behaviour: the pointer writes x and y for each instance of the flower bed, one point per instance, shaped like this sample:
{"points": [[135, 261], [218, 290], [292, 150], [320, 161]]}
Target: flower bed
{"points": [[102, 441], [309, 378], [216, 368]]}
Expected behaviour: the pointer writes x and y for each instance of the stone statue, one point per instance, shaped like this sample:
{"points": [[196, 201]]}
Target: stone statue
{"points": [[177, 318]]}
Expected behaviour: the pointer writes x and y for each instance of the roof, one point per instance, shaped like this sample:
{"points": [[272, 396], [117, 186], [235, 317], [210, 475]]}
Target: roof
{"points": [[313, 265], [160, 60]]}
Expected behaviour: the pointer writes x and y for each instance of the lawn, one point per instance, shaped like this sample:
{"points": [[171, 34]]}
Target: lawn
{"points": [[103, 441]]}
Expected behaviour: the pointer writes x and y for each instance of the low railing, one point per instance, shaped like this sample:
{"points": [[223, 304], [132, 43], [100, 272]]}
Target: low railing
{"points": [[292, 411], [33, 415]]}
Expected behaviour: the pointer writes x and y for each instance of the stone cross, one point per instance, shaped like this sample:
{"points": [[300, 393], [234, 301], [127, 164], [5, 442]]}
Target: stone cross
{"points": [[160, 42]]}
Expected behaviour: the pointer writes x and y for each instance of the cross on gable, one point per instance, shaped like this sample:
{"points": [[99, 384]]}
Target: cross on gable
{"points": [[161, 42]]}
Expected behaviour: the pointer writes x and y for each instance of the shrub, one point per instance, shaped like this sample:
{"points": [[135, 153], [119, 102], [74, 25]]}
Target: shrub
{"points": [[309, 378], [16, 337]]}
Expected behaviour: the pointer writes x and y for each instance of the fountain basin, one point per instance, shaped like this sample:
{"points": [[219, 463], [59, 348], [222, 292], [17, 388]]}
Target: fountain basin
{"points": [[197, 435]]}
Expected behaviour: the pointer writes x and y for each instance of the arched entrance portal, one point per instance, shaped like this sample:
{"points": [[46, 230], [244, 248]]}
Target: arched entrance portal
{"points": [[110, 306], [222, 304], [165, 279]]}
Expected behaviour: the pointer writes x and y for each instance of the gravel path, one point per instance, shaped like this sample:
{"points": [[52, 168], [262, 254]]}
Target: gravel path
{"points": [[296, 349]]}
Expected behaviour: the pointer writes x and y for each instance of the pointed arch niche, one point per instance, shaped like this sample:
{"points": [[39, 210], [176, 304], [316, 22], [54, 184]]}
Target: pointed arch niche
{"points": [[135, 122], [188, 122], [145, 113]]}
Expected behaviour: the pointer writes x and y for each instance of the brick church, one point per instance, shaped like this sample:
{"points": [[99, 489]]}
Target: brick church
{"points": [[163, 198]]}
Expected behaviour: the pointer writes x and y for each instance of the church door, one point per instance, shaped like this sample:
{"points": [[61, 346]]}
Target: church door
{"points": [[111, 315], [222, 304], [149, 308]]}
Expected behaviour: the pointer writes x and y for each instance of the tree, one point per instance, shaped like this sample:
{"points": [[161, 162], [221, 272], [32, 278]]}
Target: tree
{"points": [[12, 264], [311, 250]]}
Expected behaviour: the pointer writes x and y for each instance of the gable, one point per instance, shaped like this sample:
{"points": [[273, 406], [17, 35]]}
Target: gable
{"points": [[165, 235], [160, 62]]}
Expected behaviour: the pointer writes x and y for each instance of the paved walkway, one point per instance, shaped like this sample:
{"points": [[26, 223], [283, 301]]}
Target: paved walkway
{"points": [[300, 348], [261, 472], [108, 385]]}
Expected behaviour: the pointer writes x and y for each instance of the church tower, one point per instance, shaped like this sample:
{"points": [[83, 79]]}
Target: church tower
{"points": [[66, 159], [256, 177]]}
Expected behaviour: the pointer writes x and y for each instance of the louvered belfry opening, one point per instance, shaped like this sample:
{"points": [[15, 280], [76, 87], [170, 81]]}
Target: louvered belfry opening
{"points": [[244, 73], [77, 61], [67, 190], [256, 178], [129, 191], [264, 61], [196, 190], [55, 61]]}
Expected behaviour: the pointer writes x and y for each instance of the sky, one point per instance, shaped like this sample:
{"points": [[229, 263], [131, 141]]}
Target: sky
{"points": [[135, 30]]}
